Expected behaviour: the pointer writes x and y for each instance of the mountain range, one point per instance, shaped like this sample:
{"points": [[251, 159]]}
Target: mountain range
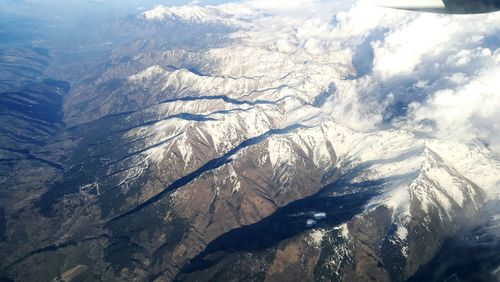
{"points": [[218, 145]]}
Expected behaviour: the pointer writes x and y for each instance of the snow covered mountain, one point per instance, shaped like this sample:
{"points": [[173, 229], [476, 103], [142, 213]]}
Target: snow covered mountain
{"points": [[284, 148]]}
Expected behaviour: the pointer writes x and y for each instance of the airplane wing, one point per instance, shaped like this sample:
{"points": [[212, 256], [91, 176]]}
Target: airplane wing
{"points": [[444, 6]]}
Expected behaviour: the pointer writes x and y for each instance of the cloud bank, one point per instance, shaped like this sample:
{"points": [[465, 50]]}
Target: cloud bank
{"points": [[436, 74]]}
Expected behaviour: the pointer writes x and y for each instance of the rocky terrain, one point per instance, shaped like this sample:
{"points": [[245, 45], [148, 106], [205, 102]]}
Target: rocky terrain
{"points": [[206, 150]]}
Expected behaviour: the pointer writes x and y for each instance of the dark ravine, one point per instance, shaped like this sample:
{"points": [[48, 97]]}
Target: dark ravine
{"points": [[333, 205], [29, 117]]}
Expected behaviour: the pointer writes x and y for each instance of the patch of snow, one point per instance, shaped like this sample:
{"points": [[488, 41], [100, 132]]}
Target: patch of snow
{"points": [[310, 222], [402, 232], [319, 215], [148, 74], [344, 230], [317, 236]]}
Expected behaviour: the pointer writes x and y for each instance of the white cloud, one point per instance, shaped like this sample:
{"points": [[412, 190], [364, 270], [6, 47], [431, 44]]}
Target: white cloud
{"points": [[471, 109], [442, 67]]}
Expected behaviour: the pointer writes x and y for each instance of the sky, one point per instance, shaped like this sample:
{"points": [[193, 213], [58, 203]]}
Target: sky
{"points": [[47, 8]]}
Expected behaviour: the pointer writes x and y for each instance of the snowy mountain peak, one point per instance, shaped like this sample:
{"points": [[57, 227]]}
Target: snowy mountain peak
{"points": [[147, 74], [187, 13]]}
